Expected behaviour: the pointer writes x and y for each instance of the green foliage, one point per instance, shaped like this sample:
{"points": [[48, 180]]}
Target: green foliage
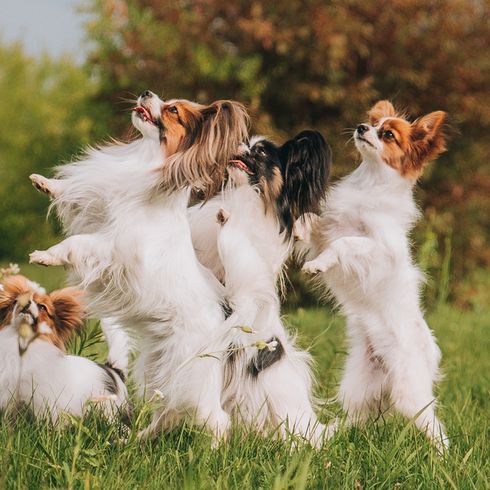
{"points": [[321, 64], [46, 116], [91, 453]]}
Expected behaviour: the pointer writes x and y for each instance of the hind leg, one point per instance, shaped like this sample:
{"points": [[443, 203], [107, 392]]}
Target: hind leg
{"points": [[284, 390], [52, 187], [295, 411], [363, 382], [208, 412], [412, 396], [162, 421]]}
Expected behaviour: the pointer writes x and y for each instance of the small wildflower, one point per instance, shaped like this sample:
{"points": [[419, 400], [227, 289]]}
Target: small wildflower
{"points": [[272, 345], [25, 331], [9, 271], [14, 268], [260, 344], [26, 336], [159, 394], [245, 329]]}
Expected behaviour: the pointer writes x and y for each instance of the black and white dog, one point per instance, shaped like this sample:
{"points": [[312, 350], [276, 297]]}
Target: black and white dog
{"points": [[244, 235]]}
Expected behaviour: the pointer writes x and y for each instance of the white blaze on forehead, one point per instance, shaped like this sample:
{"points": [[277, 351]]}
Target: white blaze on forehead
{"points": [[182, 101], [36, 287], [245, 147], [390, 118], [256, 139]]}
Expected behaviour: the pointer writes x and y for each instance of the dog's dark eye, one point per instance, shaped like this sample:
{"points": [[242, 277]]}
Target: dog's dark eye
{"points": [[173, 110], [388, 135], [42, 307], [261, 151]]}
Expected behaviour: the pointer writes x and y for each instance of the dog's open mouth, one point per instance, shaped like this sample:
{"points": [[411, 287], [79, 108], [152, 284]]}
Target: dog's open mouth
{"points": [[242, 166], [144, 113]]}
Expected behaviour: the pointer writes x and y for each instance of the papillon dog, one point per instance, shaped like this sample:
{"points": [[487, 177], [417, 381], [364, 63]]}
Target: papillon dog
{"points": [[132, 248], [244, 235], [361, 250], [34, 368]]}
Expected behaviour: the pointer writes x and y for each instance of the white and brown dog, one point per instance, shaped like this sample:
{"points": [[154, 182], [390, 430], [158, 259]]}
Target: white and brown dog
{"points": [[34, 368], [132, 249], [360, 248]]}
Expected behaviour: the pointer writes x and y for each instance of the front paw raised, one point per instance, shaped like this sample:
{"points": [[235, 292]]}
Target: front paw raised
{"points": [[313, 267], [43, 257], [320, 264], [44, 185]]}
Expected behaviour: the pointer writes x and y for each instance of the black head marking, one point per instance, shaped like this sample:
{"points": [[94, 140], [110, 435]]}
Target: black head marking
{"points": [[295, 174], [306, 162]]}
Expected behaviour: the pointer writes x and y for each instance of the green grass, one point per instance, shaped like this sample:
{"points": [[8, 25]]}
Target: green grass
{"points": [[392, 454]]}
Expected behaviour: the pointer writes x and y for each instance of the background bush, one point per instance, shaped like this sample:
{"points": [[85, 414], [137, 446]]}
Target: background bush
{"points": [[317, 64]]}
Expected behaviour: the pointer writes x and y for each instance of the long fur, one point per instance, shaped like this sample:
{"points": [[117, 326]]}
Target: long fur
{"points": [[270, 387], [43, 376], [138, 265], [360, 246]]}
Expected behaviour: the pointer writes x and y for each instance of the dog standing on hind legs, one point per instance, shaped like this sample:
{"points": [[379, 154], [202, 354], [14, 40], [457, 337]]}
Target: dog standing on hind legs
{"points": [[135, 258], [244, 235], [361, 251]]}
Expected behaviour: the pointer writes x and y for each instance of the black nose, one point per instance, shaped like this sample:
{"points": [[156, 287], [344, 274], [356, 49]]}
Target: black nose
{"points": [[146, 93], [362, 128]]}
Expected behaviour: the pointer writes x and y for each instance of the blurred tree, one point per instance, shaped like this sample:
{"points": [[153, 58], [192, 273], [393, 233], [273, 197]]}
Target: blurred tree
{"points": [[320, 64], [46, 115]]}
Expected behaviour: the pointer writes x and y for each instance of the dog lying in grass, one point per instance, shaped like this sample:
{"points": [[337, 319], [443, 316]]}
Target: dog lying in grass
{"points": [[34, 367]]}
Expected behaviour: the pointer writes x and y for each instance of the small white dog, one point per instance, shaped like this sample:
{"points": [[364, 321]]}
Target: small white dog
{"points": [[133, 251], [268, 380], [35, 370], [361, 249]]}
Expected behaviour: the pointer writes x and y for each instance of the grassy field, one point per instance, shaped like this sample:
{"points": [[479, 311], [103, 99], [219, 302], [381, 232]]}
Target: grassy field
{"points": [[392, 454]]}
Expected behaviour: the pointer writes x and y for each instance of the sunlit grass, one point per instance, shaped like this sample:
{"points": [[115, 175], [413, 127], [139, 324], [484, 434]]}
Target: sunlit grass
{"points": [[91, 453]]}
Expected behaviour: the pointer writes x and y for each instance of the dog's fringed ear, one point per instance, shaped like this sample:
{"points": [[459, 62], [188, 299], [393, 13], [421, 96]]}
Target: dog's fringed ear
{"points": [[68, 312], [11, 288], [221, 128], [428, 139], [383, 108], [306, 160]]}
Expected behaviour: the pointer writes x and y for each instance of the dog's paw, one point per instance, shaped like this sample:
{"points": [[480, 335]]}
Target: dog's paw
{"points": [[42, 257], [322, 263], [43, 184], [223, 216], [313, 267]]}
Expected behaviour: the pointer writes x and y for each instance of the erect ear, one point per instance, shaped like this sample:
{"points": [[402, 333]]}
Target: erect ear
{"points": [[68, 311], [383, 108], [428, 135], [306, 159], [11, 288]]}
